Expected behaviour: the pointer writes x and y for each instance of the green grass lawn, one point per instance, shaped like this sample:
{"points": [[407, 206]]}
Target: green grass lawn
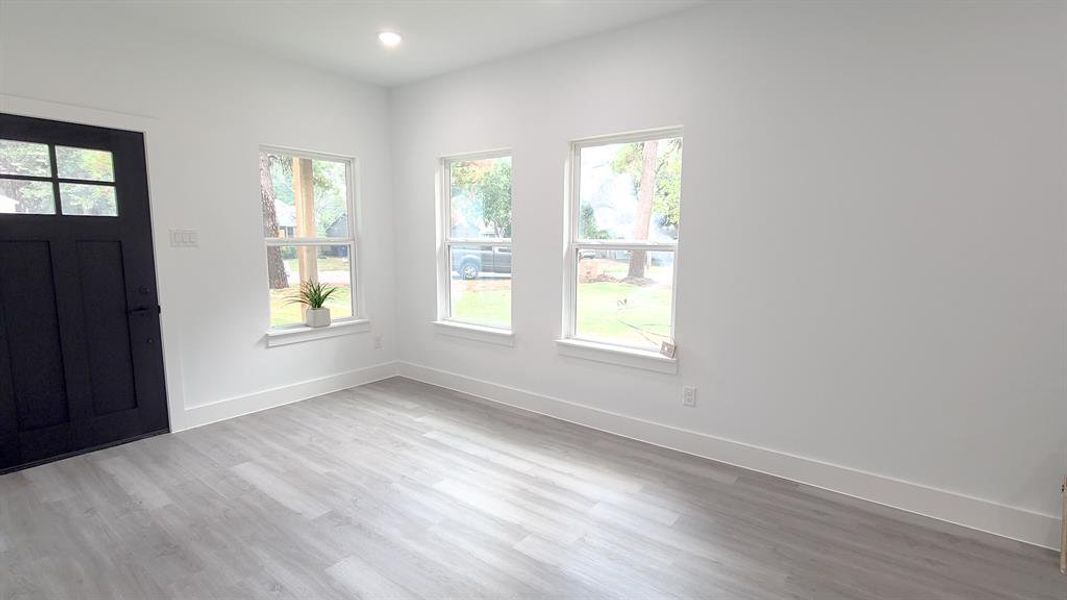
{"points": [[613, 312], [283, 312], [485, 303], [621, 313]]}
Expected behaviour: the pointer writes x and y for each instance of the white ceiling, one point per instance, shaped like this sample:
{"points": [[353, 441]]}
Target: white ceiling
{"points": [[439, 35]]}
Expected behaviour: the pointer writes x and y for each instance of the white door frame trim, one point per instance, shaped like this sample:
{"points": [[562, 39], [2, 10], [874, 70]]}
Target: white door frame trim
{"points": [[152, 130]]}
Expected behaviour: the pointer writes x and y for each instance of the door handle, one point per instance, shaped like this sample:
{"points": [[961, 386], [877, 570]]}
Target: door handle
{"points": [[144, 310]]}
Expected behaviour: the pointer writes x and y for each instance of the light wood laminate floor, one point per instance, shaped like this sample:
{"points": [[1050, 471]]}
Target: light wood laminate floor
{"points": [[403, 490]]}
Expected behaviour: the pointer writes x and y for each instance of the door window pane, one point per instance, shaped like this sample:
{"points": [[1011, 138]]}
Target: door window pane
{"points": [[631, 191], [480, 194], [24, 158], [303, 197], [480, 285], [624, 297], [290, 266], [83, 163], [27, 197], [88, 200]]}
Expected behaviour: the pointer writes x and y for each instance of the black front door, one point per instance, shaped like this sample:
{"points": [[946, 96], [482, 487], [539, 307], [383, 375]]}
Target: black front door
{"points": [[80, 359]]}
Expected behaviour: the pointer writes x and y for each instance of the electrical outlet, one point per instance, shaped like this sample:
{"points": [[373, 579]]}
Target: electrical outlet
{"points": [[689, 396], [378, 344]]}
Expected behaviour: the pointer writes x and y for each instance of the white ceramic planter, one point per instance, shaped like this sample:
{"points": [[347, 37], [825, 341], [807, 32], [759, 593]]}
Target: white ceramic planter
{"points": [[317, 317]]}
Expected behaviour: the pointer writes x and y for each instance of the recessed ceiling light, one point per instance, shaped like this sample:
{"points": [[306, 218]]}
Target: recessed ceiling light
{"points": [[390, 39]]}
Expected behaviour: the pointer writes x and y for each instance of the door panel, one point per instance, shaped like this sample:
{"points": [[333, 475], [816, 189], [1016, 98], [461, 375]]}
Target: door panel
{"points": [[31, 330], [103, 288], [80, 359]]}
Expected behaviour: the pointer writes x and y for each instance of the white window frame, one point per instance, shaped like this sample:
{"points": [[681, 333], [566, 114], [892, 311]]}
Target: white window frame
{"points": [[446, 324], [570, 343], [286, 334]]}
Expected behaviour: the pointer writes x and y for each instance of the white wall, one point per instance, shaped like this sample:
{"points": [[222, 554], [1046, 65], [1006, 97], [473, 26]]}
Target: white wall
{"points": [[205, 110], [872, 260]]}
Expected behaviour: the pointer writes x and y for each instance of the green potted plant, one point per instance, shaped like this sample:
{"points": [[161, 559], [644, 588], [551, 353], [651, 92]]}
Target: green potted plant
{"points": [[313, 295]]}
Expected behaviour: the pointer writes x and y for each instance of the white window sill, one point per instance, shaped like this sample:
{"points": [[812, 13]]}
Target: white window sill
{"points": [[301, 333], [616, 355], [490, 335]]}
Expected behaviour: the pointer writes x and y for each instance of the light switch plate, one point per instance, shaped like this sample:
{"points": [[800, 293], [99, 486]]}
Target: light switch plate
{"points": [[184, 238]]}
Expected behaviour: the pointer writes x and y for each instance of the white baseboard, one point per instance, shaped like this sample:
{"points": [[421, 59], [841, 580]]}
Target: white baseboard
{"points": [[974, 513], [228, 408]]}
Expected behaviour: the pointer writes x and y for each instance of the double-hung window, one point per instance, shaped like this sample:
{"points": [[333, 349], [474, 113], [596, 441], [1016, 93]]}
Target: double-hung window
{"points": [[622, 242], [474, 253], [308, 206]]}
